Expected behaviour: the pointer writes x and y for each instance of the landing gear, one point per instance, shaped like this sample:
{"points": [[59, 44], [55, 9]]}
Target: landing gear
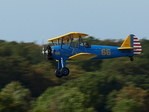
{"points": [[131, 58], [62, 69], [58, 74], [62, 72]]}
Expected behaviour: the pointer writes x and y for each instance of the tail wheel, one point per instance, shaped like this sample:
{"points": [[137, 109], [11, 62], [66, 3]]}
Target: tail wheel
{"points": [[58, 74], [64, 71], [131, 59]]}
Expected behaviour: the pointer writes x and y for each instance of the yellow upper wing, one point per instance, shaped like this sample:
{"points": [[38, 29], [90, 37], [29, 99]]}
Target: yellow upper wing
{"points": [[82, 56], [66, 36]]}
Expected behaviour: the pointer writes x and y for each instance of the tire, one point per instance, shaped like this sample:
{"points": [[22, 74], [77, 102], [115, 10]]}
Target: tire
{"points": [[131, 59], [64, 71], [58, 74]]}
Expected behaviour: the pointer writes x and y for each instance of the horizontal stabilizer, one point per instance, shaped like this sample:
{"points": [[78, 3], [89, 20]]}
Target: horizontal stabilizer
{"points": [[126, 48], [82, 56]]}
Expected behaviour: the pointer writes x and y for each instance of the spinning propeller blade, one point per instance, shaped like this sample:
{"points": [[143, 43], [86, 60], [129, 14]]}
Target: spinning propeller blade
{"points": [[43, 50]]}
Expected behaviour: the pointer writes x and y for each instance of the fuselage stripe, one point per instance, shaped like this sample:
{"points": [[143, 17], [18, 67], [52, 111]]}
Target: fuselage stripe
{"points": [[136, 41], [135, 38], [137, 49], [137, 52], [137, 46]]}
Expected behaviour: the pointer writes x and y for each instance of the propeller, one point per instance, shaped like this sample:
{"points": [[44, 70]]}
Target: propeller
{"points": [[47, 51], [43, 49]]}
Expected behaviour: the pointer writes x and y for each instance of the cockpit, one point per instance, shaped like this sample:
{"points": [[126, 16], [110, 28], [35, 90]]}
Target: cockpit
{"points": [[72, 42], [68, 44]]}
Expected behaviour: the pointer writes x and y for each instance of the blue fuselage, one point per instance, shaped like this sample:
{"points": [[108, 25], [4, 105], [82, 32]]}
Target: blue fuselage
{"points": [[102, 52]]}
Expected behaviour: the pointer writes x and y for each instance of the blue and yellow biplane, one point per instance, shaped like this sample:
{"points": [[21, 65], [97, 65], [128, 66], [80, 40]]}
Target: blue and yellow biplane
{"points": [[72, 47]]}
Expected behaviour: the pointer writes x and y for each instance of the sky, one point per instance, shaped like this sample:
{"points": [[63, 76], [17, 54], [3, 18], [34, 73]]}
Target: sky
{"points": [[32, 20]]}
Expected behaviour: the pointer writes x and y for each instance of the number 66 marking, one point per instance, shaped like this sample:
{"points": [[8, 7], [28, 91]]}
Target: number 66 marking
{"points": [[105, 52]]}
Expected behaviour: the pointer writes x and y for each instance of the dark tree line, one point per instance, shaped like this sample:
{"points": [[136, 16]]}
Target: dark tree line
{"points": [[28, 83]]}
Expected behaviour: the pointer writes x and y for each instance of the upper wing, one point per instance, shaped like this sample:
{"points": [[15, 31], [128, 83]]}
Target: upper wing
{"points": [[82, 56], [71, 34]]}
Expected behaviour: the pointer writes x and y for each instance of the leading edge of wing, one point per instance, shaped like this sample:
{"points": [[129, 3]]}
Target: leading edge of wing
{"points": [[73, 34], [82, 56]]}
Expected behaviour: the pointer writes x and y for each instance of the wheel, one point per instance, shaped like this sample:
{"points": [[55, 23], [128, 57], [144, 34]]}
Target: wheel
{"points": [[131, 59], [58, 74], [64, 71]]}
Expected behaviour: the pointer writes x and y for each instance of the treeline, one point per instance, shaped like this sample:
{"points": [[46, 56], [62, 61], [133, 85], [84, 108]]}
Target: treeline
{"points": [[28, 83]]}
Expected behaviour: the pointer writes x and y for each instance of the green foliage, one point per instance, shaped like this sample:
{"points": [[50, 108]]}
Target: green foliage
{"points": [[111, 100], [126, 105], [86, 92], [61, 99], [136, 96], [18, 93], [8, 104], [88, 65], [117, 85]]}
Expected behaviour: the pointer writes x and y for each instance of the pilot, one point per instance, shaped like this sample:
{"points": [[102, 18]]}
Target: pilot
{"points": [[86, 44]]}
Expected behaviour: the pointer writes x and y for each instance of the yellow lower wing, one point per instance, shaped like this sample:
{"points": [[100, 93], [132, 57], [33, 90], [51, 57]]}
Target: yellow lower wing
{"points": [[82, 56]]}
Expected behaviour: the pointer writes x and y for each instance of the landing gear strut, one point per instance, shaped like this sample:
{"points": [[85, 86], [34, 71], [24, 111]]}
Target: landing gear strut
{"points": [[62, 69], [62, 72]]}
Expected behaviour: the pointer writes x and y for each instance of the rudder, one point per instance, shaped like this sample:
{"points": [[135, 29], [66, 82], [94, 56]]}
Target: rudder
{"points": [[132, 42], [137, 46]]}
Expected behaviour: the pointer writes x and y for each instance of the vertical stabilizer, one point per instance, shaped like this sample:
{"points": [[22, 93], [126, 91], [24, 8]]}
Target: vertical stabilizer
{"points": [[132, 42]]}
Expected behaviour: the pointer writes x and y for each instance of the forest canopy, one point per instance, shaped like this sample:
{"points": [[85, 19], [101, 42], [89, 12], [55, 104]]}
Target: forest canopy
{"points": [[28, 83]]}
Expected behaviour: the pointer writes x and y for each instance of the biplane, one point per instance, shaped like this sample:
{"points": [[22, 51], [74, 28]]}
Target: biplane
{"points": [[71, 47]]}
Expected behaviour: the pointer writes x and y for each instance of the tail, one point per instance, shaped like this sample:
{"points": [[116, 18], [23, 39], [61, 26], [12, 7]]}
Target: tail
{"points": [[132, 42]]}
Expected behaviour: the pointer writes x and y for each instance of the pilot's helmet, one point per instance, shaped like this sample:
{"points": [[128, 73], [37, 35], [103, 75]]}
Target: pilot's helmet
{"points": [[86, 44]]}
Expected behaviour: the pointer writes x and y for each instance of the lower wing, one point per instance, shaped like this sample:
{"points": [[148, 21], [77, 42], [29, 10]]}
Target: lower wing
{"points": [[82, 56]]}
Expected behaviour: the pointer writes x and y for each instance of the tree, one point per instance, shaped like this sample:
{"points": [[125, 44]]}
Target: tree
{"points": [[8, 104], [18, 93], [62, 99], [111, 100], [133, 95], [126, 105]]}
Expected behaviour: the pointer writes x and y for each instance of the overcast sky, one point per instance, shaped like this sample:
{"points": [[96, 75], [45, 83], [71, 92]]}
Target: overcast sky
{"points": [[30, 20]]}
